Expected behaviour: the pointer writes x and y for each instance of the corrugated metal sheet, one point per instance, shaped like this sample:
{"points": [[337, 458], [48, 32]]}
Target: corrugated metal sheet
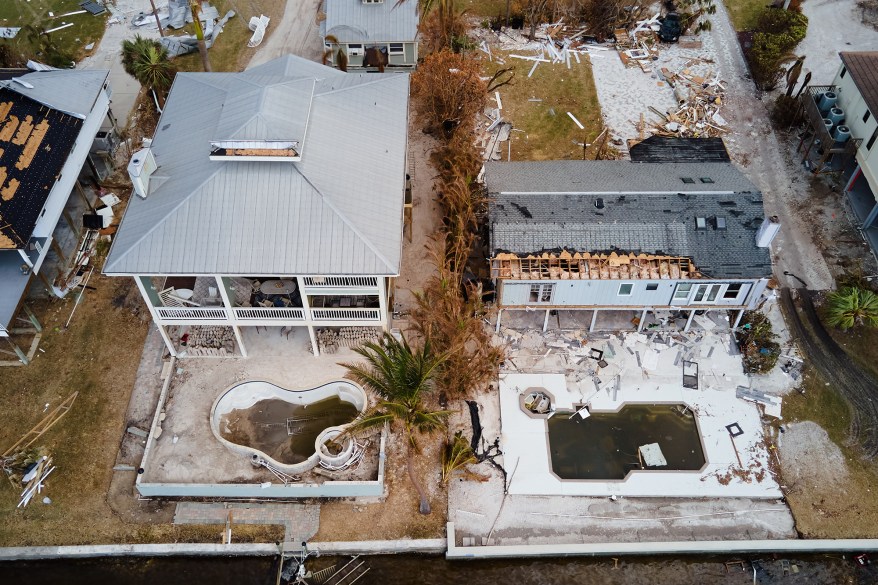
{"points": [[338, 211], [70, 91], [352, 21]]}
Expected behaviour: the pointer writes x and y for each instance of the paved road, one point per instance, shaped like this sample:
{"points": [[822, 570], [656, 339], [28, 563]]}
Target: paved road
{"points": [[856, 385], [793, 250]]}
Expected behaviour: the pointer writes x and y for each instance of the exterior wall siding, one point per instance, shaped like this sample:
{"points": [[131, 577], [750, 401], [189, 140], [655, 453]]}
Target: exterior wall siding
{"points": [[408, 59], [605, 293], [850, 100]]}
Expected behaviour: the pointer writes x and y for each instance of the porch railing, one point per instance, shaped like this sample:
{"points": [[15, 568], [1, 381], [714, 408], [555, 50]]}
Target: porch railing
{"points": [[262, 313], [199, 313], [352, 314], [338, 281]]}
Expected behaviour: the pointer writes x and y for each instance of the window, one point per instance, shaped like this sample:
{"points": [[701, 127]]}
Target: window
{"points": [[687, 180], [541, 293], [706, 180], [396, 49], [706, 293], [652, 286], [625, 289], [866, 116], [843, 71], [732, 291], [682, 292], [872, 139]]}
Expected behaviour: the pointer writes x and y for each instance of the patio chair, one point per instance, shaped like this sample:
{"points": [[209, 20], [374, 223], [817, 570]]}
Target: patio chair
{"points": [[170, 299]]}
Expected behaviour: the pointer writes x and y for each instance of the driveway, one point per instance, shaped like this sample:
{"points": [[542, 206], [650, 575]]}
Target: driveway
{"points": [[297, 33]]}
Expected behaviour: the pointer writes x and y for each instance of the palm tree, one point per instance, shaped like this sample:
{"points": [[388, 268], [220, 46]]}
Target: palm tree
{"points": [[147, 61], [400, 376], [851, 307]]}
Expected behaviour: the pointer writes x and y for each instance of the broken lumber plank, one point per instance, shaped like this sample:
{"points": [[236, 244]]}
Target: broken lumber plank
{"points": [[578, 123]]}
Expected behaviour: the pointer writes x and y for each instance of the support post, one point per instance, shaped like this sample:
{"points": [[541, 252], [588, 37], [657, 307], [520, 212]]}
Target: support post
{"points": [[499, 315], [594, 319], [810, 144], [66, 215], [870, 219], [306, 307], [240, 339], [58, 250], [155, 317], [689, 320], [313, 341], [82, 196], [856, 175], [382, 302], [167, 338], [546, 321], [32, 318], [642, 320], [738, 319], [20, 354]]}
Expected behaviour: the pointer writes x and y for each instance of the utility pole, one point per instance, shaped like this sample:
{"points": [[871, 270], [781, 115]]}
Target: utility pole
{"points": [[157, 20]]}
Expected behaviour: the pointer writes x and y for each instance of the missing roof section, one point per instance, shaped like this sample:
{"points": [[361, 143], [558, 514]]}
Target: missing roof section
{"points": [[255, 150]]}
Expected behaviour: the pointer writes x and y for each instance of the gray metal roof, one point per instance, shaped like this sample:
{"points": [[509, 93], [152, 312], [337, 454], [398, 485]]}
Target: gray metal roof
{"points": [[635, 217], [352, 21], [608, 176], [337, 211], [72, 91]]}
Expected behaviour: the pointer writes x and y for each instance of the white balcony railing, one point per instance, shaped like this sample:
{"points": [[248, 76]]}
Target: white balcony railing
{"points": [[352, 314], [193, 313], [263, 313], [340, 281]]}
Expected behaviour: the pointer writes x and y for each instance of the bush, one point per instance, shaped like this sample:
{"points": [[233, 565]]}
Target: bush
{"points": [[786, 111], [852, 307], [776, 35], [757, 342]]}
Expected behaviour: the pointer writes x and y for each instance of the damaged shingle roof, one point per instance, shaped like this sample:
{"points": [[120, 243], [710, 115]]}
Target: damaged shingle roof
{"points": [[543, 206]]}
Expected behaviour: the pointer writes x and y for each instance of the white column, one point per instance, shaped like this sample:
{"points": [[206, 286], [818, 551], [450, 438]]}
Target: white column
{"points": [[594, 319], [738, 319], [497, 327], [227, 303], [642, 320], [155, 317], [382, 301], [313, 341], [306, 309], [546, 321], [689, 320]]}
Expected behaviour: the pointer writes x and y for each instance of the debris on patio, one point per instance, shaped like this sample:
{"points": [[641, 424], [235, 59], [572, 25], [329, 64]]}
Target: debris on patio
{"points": [[329, 340], [209, 341]]}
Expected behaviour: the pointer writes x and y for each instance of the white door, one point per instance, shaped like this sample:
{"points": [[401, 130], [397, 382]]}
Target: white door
{"points": [[706, 293]]}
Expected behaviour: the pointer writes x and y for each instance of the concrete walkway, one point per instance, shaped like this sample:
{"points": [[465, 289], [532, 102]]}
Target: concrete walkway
{"points": [[300, 521]]}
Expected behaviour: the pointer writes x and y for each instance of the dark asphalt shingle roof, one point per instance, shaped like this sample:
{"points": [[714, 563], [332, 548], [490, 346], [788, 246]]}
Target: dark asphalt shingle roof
{"points": [[665, 149], [532, 210], [863, 67]]}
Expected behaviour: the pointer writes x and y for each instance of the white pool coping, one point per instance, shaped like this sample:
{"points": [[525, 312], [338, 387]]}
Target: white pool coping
{"points": [[524, 440]]}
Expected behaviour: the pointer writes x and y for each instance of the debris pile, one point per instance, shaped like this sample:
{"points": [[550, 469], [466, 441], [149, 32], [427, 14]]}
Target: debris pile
{"points": [[204, 341], [29, 468], [699, 99], [329, 340]]}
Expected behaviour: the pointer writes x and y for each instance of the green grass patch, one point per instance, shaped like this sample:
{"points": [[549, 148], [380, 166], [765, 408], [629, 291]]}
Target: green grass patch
{"points": [[86, 28], [745, 13], [546, 131]]}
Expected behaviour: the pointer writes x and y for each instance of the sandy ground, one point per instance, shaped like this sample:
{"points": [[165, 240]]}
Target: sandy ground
{"points": [[833, 26], [297, 33], [800, 446]]}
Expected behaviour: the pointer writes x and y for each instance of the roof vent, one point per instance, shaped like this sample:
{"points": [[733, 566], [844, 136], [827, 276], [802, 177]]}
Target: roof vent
{"points": [[141, 167], [688, 180], [700, 223], [599, 202], [720, 223]]}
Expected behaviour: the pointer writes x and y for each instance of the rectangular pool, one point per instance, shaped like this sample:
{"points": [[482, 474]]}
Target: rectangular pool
{"points": [[604, 445]]}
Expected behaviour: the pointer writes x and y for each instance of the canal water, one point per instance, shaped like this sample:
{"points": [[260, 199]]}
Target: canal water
{"points": [[434, 570]]}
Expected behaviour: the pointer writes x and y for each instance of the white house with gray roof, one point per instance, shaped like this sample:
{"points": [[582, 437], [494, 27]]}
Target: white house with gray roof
{"points": [[271, 197], [371, 33], [623, 236]]}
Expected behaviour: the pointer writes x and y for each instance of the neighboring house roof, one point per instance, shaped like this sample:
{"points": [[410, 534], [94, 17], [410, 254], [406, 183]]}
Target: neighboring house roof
{"points": [[863, 67], [353, 21], [338, 210], [667, 149], [40, 119], [646, 208]]}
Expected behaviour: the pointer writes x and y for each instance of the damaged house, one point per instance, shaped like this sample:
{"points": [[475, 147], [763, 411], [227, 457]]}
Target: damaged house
{"points": [[371, 34], [268, 198], [666, 239], [54, 126]]}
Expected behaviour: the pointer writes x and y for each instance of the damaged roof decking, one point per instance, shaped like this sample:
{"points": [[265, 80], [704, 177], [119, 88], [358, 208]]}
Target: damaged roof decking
{"points": [[647, 208], [337, 211], [353, 21], [34, 144]]}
